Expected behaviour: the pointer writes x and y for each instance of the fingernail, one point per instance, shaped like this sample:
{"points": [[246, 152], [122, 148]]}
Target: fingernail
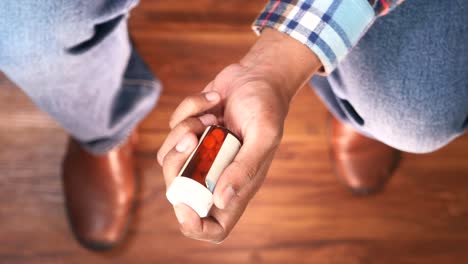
{"points": [[212, 96], [207, 120], [179, 216], [227, 197], [183, 145]]}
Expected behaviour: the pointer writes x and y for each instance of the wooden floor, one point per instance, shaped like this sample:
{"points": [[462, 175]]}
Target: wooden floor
{"points": [[301, 215]]}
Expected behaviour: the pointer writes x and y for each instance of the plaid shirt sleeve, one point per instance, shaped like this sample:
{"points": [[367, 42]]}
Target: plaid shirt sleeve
{"points": [[330, 28]]}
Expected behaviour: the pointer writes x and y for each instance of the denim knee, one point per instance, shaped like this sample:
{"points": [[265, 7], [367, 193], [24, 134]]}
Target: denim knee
{"points": [[413, 124], [406, 83], [414, 135], [43, 30]]}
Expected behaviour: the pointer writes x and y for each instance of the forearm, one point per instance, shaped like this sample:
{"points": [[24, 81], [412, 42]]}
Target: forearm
{"points": [[281, 60]]}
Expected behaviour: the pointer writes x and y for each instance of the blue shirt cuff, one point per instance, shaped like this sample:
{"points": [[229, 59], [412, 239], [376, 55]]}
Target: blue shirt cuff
{"points": [[330, 28]]}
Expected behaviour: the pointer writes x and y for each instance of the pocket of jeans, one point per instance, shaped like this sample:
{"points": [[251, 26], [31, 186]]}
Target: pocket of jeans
{"points": [[101, 31], [352, 113]]}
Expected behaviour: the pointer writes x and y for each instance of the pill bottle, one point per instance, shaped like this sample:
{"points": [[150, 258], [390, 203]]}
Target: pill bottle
{"points": [[195, 184]]}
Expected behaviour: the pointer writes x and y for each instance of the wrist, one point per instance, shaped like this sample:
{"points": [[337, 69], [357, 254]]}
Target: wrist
{"points": [[282, 61]]}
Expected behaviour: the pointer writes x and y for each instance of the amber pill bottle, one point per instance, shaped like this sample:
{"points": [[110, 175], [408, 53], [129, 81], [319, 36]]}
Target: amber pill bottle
{"points": [[197, 179]]}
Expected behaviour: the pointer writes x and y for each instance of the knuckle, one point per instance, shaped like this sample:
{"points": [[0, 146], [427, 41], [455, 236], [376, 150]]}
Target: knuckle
{"points": [[190, 103], [187, 126], [159, 157], [184, 127], [248, 173], [169, 158], [173, 121]]}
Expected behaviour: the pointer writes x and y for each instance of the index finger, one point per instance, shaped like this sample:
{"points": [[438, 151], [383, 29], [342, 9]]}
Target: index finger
{"points": [[194, 105]]}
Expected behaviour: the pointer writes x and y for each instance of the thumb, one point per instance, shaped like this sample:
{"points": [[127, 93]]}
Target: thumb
{"points": [[245, 174]]}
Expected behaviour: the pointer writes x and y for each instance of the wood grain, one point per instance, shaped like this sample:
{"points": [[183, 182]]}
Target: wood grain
{"points": [[300, 215]]}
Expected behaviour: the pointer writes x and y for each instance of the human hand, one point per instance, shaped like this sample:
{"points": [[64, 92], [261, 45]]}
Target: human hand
{"points": [[251, 100]]}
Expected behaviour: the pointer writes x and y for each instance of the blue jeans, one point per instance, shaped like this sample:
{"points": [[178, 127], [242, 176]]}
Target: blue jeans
{"points": [[75, 61], [406, 82]]}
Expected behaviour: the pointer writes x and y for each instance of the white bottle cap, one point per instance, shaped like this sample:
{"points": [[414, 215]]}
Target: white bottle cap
{"points": [[190, 192]]}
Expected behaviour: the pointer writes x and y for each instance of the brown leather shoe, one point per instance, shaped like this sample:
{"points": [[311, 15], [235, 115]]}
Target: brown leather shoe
{"points": [[363, 164], [99, 193]]}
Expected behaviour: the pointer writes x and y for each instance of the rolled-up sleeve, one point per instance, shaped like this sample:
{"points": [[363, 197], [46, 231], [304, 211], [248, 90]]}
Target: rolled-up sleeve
{"points": [[330, 28]]}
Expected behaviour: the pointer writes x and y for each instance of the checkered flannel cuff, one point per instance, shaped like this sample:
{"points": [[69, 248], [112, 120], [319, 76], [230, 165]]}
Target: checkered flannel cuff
{"points": [[330, 28]]}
